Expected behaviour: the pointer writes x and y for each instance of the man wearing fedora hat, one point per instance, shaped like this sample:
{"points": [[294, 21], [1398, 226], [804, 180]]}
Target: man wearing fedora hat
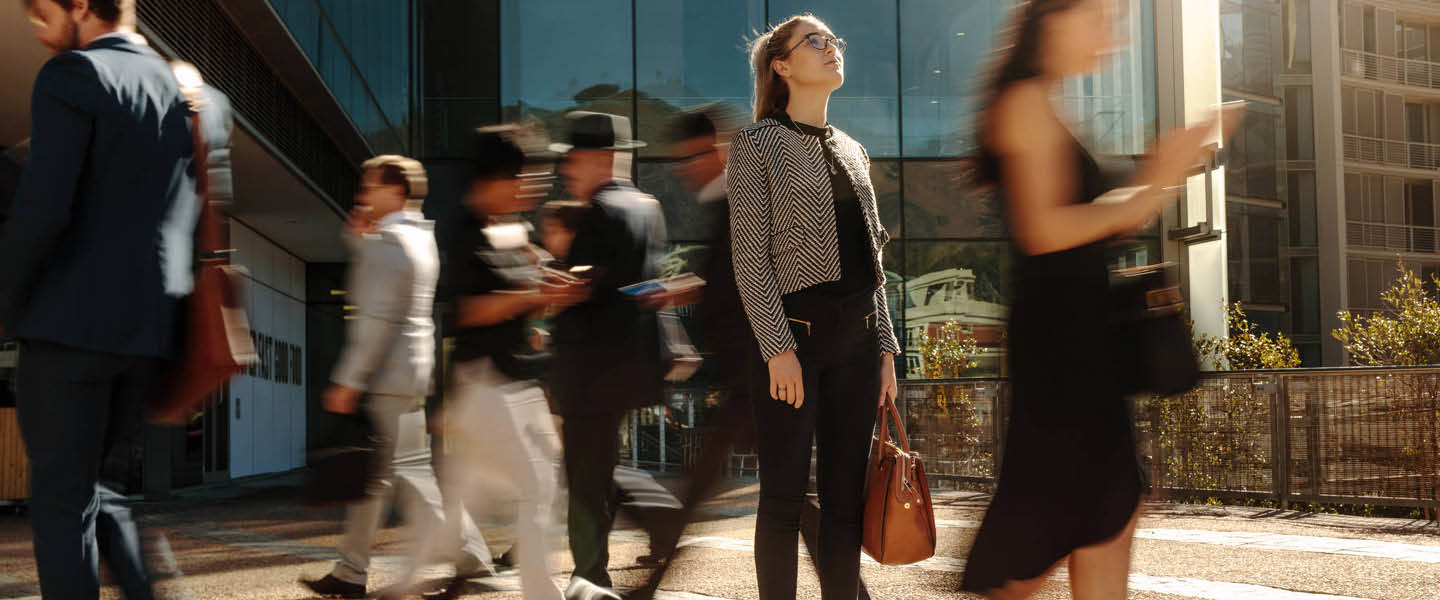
{"points": [[607, 348]]}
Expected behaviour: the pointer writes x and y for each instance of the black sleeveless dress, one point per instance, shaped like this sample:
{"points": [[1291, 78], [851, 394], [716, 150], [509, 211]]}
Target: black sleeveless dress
{"points": [[1069, 476]]}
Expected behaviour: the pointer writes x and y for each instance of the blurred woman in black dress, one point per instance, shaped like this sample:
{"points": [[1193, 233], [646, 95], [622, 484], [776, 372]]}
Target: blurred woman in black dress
{"points": [[1070, 485]]}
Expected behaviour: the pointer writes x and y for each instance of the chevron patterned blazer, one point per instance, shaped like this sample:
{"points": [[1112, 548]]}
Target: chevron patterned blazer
{"points": [[782, 224]]}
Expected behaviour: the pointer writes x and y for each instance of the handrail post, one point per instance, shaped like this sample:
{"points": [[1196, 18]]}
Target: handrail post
{"points": [[1280, 430]]}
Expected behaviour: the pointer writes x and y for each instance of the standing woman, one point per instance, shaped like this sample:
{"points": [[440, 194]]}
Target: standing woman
{"points": [[1070, 484], [807, 241]]}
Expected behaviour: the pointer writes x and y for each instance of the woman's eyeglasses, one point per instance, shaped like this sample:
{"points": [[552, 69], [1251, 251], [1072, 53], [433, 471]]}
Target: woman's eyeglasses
{"points": [[818, 41]]}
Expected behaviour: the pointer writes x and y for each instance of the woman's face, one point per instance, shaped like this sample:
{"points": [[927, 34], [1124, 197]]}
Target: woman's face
{"points": [[1075, 39], [807, 67]]}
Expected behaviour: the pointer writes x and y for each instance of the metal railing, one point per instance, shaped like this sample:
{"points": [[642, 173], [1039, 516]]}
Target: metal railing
{"points": [[1342, 436], [1400, 238], [1404, 71], [1396, 153], [1348, 436]]}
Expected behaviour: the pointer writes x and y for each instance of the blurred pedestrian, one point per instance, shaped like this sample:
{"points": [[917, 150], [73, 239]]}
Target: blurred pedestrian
{"points": [[386, 365], [98, 253], [499, 423], [1070, 486], [807, 245], [608, 348]]}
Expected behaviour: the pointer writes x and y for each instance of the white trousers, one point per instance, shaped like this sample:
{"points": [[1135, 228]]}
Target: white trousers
{"points": [[498, 431], [399, 422]]}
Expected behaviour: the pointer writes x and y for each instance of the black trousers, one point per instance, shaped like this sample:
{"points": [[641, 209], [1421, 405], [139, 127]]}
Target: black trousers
{"points": [[598, 490], [745, 377], [74, 405], [840, 361]]}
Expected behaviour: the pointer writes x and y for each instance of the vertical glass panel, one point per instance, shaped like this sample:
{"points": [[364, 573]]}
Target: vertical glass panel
{"points": [[961, 282], [1305, 297], [559, 55], [462, 72], [939, 205], [867, 107], [1415, 128], [1267, 281], [1251, 40], [1355, 284], [691, 52], [1301, 203], [302, 18], [1253, 154], [885, 178], [945, 47], [1113, 108], [1299, 124], [1297, 36]]}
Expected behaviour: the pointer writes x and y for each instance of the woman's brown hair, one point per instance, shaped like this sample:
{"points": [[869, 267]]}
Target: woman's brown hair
{"points": [[771, 92]]}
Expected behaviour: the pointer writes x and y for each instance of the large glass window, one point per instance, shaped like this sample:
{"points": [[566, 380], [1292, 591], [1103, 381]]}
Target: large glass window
{"points": [[558, 55], [462, 72], [1253, 154], [939, 205], [691, 52], [945, 48], [1114, 108], [867, 107], [361, 49], [1250, 44]]}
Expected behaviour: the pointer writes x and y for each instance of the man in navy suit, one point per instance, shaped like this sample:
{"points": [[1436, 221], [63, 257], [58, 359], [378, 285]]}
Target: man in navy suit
{"points": [[97, 254]]}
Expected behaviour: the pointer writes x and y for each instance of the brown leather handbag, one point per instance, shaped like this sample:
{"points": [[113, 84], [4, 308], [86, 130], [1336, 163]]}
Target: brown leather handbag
{"points": [[216, 341], [899, 526]]}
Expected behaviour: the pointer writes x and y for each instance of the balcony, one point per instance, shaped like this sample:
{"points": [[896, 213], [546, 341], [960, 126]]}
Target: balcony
{"points": [[1392, 153], [1389, 69], [1395, 238]]}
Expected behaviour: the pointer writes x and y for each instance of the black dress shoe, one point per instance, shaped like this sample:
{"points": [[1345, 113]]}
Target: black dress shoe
{"points": [[330, 587]]}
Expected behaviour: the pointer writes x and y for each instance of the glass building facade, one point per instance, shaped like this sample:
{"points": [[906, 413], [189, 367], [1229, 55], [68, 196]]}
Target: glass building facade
{"points": [[364, 51], [913, 72], [1273, 266]]}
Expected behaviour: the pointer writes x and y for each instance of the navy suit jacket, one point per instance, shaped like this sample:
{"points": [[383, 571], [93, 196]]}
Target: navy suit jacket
{"points": [[98, 249]]}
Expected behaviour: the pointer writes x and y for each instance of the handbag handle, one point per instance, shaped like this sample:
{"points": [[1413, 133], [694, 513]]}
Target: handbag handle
{"points": [[887, 410]]}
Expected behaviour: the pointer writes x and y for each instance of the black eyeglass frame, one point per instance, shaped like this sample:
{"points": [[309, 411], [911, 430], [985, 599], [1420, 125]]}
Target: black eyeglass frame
{"points": [[827, 42]]}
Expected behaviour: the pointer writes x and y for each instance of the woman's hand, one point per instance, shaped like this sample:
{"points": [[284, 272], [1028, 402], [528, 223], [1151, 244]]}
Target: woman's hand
{"points": [[786, 382], [889, 389]]}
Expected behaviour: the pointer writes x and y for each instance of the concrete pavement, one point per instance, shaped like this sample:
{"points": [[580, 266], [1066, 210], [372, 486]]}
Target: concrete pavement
{"points": [[252, 540]]}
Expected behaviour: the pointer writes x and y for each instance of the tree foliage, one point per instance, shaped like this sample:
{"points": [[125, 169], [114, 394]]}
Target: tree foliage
{"points": [[1246, 347], [1405, 333]]}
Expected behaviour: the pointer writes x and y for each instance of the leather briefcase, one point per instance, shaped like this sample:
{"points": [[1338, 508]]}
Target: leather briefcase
{"points": [[216, 341], [899, 527]]}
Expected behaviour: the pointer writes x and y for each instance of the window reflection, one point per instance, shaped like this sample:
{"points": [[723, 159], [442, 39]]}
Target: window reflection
{"points": [[946, 47], [687, 53], [560, 55], [938, 203], [959, 282], [1114, 109]]}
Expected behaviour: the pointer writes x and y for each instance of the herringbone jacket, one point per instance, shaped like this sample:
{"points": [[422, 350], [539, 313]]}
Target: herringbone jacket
{"points": [[782, 224]]}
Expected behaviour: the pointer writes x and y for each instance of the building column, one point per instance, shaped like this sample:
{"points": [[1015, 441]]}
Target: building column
{"points": [[1188, 87], [1329, 178]]}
